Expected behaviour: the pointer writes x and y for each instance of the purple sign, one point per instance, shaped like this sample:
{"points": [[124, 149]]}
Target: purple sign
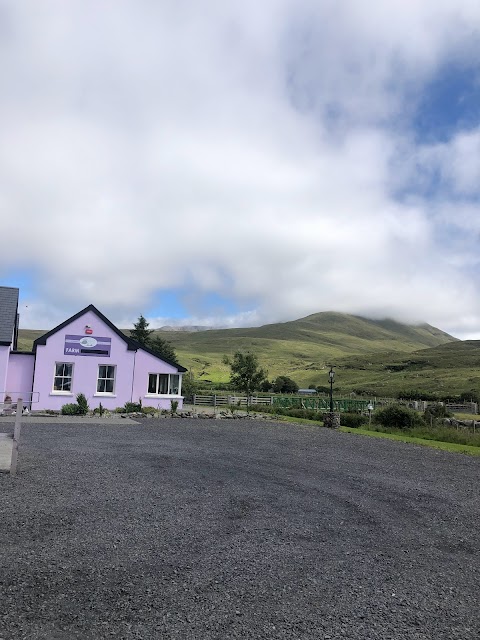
{"points": [[87, 346]]}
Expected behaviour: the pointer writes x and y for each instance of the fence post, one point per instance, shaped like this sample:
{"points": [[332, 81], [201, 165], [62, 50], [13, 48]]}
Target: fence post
{"points": [[16, 437], [194, 398]]}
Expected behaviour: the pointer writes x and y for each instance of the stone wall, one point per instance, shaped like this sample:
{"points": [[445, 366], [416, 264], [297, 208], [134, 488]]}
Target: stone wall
{"points": [[331, 420]]}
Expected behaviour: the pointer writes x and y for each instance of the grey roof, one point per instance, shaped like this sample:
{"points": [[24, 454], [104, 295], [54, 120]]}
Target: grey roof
{"points": [[8, 313]]}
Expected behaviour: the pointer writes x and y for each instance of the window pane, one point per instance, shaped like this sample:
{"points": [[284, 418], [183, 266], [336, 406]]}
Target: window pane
{"points": [[163, 383], [62, 380], [106, 378], [174, 382], [152, 383]]}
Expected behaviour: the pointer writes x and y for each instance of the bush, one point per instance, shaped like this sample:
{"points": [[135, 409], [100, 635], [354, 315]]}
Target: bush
{"points": [[149, 411], [396, 416], [173, 406], [100, 411], [435, 412], [70, 409], [82, 404], [132, 407], [353, 420]]}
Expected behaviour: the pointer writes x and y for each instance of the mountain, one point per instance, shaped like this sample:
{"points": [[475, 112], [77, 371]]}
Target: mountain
{"points": [[302, 349], [187, 328]]}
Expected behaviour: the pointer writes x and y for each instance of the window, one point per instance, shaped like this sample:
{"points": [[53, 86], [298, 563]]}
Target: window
{"points": [[164, 383], [106, 378], [62, 380]]}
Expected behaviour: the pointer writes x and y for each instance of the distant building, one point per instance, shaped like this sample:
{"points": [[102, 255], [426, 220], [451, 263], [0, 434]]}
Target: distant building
{"points": [[307, 392], [85, 354]]}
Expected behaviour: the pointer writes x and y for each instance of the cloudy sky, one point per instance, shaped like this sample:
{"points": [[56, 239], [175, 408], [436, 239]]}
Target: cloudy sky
{"points": [[237, 163]]}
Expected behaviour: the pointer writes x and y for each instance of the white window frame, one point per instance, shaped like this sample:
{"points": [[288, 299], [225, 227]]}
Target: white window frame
{"points": [[169, 394], [62, 392], [110, 394]]}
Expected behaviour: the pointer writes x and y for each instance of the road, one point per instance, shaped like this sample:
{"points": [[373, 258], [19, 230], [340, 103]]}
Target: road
{"points": [[202, 529]]}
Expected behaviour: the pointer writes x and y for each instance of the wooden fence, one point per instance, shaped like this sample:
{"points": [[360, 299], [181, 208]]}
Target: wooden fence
{"points": [[225, 401], [320, 403]]}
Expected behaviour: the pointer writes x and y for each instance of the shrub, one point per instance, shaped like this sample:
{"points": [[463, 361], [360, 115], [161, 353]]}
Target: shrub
{"points": [[101, 411], [396, 416], [132, 407], [353, 420], [173, 406], [435, 412], [70, 409], [149, 411], [82, 404]]}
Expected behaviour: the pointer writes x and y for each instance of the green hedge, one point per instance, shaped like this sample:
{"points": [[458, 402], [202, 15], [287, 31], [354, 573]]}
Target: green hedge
{"points": [[353, 420]]}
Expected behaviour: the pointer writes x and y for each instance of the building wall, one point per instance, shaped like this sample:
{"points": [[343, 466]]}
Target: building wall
{"points": [[85, 368], [132, 369], [144, 365], [4, 353], [20, 377]]}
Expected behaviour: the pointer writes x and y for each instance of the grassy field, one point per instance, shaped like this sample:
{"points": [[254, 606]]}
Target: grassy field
{"points": [[436, 444], [378, 357]]}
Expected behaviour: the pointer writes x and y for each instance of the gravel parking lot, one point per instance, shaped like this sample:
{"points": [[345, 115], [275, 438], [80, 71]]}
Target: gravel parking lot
{"points": [[199, 529]]}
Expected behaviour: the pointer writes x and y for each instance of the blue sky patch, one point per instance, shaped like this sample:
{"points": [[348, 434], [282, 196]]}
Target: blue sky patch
{"points": [[449, 102]]}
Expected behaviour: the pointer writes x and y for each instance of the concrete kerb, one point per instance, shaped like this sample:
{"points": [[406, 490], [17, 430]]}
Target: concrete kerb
{"points": [[31, 419]]}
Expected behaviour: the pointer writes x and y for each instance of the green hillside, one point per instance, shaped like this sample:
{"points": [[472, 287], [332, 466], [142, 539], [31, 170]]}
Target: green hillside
{"points": [[448, 369], [361, 350], [301, 349]]}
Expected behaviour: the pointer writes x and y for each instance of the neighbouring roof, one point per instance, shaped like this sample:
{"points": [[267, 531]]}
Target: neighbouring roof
{"points": [[8, 314], [132, 345]]}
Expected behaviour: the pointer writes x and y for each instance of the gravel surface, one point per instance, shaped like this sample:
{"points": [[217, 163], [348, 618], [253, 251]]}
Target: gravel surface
{"points": [[199, 529]]}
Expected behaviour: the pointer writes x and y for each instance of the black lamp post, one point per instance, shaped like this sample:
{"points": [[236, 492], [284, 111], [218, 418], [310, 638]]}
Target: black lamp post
{"points": [[331, 378]]}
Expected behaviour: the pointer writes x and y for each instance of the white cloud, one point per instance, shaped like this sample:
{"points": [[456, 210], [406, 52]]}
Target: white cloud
{"points": [[252, 149]]}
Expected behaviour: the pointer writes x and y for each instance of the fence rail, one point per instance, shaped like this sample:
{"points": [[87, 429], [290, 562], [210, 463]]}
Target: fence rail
{"points": [[322, 403], [300, 402], [218, 401]]}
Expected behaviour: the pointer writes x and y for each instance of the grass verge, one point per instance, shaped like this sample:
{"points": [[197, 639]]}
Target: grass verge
{"points": [[314, 423], [436, 444]]}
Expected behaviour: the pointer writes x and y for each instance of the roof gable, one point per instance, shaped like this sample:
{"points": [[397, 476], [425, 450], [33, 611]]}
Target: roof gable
{"points": [[8, 314], [132, 345]]}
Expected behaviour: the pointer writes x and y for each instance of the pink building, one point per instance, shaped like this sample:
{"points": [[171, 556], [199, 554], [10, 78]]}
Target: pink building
{"points": [[85, 354]]}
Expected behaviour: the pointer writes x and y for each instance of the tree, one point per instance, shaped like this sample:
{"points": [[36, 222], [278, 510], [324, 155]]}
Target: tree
{"points": [[245, 374], [189, 385], [266, 386], [140, 332], [162, 348], [284, 384]]}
